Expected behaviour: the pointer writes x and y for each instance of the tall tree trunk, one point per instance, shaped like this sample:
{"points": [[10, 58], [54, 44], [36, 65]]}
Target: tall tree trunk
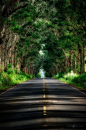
{"points": [[66, 61], [85, 60], [0, 57], [81, 52]]}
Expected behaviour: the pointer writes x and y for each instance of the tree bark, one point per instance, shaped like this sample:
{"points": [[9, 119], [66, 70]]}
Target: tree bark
{"points": [[81, 52], [66, 66], [85, 60]]}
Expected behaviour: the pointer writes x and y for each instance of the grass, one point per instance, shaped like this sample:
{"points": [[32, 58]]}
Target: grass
{"points": [[74, 79], [7, 80], [12, 77]]}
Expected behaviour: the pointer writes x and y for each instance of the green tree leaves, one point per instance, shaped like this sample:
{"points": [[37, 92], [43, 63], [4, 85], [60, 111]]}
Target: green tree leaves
{"points": [[59, 25]]}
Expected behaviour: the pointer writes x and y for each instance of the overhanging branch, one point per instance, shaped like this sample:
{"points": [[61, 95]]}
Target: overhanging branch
{"points": [[20, 7]]}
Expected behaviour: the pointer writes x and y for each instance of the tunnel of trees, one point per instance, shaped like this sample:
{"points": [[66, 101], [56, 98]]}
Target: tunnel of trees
{"points": [[57, 28]]}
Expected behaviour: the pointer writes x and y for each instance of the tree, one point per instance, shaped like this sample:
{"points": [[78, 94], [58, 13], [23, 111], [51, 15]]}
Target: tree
{"points": [[59, 25]]}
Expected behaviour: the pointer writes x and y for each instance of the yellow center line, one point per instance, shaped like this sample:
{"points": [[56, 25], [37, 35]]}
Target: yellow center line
{"points": [[43, 95], [43, 89], [43, 83], [44, 107], [44, 110]]}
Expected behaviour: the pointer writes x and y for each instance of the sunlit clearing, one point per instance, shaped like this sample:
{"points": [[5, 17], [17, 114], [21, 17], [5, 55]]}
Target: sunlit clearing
{"points": [[42, 73], [71, 74], [41, 53]]}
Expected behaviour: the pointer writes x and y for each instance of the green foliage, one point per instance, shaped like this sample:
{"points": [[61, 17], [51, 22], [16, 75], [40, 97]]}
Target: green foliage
{"points": [[10, 69], [38, 75], [12, 77], [74, 79], [70, 76], [58, 24], [59, 75], [81, 80], [4, 80]]}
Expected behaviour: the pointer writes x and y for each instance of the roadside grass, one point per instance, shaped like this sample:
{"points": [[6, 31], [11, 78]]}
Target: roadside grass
{"points": [[12, 77], [7, 80], [74, 79]]}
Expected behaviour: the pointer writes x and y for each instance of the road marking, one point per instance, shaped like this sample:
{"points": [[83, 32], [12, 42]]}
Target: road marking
{"points": [[44, 125], [44, 89], [44, 110], [8, 90], [12, 87], [78, 90], [44, 113], [44, 107], [43, 83], [73, 87], [44, 96]]}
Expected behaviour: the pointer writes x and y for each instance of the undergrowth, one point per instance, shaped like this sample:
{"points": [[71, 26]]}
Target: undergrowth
{"points": [[73, 78], [12, 76]]}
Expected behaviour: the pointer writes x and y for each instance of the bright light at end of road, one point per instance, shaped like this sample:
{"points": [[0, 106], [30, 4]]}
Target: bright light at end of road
{"points": [[42, 73]]}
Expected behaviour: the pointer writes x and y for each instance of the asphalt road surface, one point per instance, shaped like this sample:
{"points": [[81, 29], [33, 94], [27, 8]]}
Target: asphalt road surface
{"points": [[43, 104]]}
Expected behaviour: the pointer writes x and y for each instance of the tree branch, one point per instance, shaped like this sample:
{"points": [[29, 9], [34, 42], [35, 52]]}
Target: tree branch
{"points": [[20, 7], [8, 6]]}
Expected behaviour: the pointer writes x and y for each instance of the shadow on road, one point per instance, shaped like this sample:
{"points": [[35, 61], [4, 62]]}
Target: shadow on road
{"points": [[25, 107]]}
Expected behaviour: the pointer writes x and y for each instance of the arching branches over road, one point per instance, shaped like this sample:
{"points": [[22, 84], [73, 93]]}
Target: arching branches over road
{"points": [[57, 27]]}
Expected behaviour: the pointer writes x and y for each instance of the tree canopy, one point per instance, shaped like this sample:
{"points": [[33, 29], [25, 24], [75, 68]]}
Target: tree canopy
{"points": [[57, 27]]}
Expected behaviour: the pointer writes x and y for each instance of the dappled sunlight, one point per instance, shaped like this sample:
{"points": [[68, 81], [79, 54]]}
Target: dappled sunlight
{"points": [[42, 103], [41, 120], [27, 109], [40, 39], [27, 97], [71, 74], [41, 52]]}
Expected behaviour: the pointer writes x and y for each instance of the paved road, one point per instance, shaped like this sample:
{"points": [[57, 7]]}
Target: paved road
{"points": [[43, 104]]}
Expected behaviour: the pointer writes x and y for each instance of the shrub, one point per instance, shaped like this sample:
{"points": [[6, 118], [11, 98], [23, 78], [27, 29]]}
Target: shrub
{"points": [[11, 77], [10, 69], [70, 76], [59, 75], [4, 80], [81, 79], [73, 78]]}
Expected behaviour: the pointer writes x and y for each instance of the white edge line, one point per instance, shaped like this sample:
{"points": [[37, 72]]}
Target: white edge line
{"points": [[72, 87], [8, 90], [13, 87], [78, 90]]}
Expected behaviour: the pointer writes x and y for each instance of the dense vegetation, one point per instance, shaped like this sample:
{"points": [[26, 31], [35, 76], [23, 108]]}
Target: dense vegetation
{"points": [[12, 76], [73, 79], [56, 27]]}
